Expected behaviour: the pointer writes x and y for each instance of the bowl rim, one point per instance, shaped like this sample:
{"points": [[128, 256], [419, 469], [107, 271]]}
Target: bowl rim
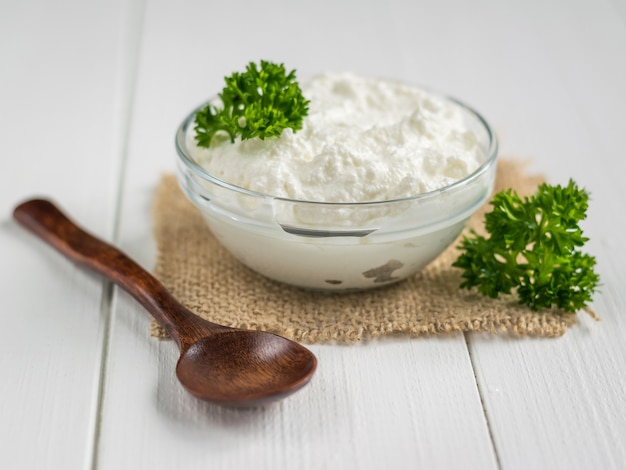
{"points": [[191, 164]]}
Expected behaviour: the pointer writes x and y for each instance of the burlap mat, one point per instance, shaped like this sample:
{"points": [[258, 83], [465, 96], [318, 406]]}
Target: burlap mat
{"points": [[212, 283]]}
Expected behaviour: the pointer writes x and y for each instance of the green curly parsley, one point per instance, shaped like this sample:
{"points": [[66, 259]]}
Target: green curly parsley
{"points": [[260, 102], [533, 247]]}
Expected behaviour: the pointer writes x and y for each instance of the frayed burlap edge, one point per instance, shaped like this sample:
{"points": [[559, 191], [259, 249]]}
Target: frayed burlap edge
{"points": [[213, 284]]}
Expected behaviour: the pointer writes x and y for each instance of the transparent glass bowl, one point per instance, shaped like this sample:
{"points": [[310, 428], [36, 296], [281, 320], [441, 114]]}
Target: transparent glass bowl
{"points": [[337, 246]]}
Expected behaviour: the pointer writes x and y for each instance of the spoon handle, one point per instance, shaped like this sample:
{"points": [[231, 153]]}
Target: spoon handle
{"points": [[44, 219]]}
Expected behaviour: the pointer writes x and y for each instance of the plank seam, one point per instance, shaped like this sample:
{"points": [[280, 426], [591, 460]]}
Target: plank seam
{"points": [[106, 312], [482, 403], [130, 45]]}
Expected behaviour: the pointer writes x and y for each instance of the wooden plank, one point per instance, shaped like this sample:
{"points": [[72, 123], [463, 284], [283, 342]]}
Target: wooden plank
{"points": [[399, 402], [560, 403], [390, 403], [61, 94]]}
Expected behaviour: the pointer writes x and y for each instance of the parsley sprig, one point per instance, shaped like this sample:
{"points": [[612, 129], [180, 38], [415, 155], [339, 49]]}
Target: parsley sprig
{"points": [[533, 246], [260, 102]]}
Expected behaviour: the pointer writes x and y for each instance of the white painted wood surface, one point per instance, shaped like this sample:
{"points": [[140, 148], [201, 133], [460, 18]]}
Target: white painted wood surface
{"points": [[107, 84], [61, 96]]}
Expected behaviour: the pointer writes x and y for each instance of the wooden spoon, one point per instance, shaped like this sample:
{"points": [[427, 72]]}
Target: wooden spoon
{"points": [[228, 366]]}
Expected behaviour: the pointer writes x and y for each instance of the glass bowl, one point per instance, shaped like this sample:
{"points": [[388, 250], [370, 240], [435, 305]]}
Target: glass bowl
{"points": [[337, 246]]}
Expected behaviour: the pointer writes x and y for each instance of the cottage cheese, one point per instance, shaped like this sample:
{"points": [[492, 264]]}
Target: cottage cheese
{"points": [[363, 140]]}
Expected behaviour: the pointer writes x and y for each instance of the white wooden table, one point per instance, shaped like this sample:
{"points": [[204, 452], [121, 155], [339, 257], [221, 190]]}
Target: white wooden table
{"points": [[91, 93]]}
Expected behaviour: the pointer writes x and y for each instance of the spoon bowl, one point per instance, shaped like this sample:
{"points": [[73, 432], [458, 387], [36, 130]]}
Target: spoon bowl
{"points": [[253, 365], [227, 366]]}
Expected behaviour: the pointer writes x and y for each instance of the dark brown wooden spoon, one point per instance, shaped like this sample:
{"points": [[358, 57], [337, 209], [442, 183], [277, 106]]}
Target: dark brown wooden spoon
{"points": [[228, 366]]}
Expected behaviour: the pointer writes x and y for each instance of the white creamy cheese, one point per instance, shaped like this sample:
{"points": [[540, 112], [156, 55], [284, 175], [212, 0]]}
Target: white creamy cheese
{"points": [[363, 140]]}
